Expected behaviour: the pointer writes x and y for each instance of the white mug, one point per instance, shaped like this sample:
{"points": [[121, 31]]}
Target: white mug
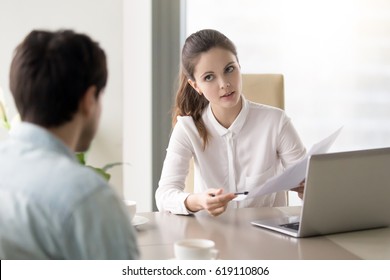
{"points": [[195, 249], [131, 207]]}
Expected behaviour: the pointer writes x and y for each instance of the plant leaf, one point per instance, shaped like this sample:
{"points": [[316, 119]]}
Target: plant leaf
{"points": [[111, 165], [3, 117], [81, 158], [101, 172]]}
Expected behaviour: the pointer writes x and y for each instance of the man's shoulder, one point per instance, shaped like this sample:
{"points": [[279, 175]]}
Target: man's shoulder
{"points": [[51, 180], [75, 181]]}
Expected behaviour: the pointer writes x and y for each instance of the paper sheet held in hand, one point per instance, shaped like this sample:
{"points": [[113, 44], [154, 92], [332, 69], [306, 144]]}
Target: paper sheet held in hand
{"points": [[295, 174]]}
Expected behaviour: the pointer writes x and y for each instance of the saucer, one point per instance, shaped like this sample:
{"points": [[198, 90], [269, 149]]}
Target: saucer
{"points": [[139, 220]]}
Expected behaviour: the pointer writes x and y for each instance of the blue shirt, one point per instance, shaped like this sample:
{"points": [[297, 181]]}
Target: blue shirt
{"points": [[51, 207]]}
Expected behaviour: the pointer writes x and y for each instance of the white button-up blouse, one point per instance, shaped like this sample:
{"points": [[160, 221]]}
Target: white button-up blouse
{"points": [[260, 143]]}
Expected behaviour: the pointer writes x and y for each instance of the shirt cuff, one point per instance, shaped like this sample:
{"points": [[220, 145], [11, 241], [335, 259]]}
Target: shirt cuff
{"points": [[184, 209]]}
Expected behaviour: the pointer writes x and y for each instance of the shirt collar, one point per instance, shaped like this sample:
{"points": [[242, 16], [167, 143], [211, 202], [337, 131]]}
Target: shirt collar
{"points": [[236, 125], [41, 137]]}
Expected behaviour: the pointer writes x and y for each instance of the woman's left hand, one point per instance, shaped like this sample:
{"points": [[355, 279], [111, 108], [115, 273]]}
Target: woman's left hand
{"points": [[299, 189]]}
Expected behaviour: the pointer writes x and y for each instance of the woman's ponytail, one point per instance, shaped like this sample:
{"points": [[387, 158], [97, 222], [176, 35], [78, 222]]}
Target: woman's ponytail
{"points": [[190, 103]]}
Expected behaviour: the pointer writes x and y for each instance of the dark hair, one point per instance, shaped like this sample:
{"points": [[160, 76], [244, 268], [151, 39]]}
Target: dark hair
{"points": [[188, 102], [51, 72]]}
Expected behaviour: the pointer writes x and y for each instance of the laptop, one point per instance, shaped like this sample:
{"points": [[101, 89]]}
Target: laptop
{"points": [[345, 191]]}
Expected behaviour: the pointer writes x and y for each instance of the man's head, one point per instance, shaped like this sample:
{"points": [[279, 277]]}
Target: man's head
{"points": [[51, 74]]}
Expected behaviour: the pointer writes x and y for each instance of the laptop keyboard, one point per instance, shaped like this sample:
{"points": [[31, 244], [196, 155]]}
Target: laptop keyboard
{"points": [[294, 226]]}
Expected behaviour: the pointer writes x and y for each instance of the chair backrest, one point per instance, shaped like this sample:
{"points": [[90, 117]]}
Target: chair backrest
{"points": [[264, 88], [260, 88]]}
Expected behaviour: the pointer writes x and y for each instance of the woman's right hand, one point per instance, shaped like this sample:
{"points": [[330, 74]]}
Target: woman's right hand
{"points": [[214, 201]]}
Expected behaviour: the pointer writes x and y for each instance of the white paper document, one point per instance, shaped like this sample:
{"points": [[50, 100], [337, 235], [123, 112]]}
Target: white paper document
{"points": [[295, 174]]}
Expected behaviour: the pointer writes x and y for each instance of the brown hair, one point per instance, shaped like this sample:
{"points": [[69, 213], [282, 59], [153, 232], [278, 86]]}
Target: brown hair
{"points": [[50, 73], [188, 102]]}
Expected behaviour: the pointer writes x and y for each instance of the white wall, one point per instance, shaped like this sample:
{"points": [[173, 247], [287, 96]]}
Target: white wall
{"points": [[100, 19]]}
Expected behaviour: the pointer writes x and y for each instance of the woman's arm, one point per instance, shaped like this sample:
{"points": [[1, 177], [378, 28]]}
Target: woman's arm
{"points": [[291, 150], [170, 195], [290, 147]]}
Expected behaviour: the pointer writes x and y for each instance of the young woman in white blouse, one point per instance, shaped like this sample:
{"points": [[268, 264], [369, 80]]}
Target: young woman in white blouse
{"points": [[236, 144]]}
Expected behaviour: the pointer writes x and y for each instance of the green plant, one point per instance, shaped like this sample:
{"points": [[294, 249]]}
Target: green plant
{"points": [[4, 122], [103, 170]]}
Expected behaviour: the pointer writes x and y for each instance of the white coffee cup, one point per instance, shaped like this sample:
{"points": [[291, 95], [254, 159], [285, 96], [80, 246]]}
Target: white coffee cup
{"points": [[131, 206], [195, 249]]}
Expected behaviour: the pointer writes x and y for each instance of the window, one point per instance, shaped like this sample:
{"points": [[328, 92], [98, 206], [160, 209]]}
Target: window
{"points": [[335, 55]]}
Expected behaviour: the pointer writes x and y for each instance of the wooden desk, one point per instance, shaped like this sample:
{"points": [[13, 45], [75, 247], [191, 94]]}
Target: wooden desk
{"points": [[236, 238]]}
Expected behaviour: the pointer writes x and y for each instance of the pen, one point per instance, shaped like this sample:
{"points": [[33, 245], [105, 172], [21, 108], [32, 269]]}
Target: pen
{"points": [[236, 193]]}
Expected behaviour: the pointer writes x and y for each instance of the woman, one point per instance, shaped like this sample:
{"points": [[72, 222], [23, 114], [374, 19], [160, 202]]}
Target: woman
{"points": [[236, 144]]}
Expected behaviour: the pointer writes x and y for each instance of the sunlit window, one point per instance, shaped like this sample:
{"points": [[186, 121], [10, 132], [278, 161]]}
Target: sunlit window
{"points": [[334, 54]]}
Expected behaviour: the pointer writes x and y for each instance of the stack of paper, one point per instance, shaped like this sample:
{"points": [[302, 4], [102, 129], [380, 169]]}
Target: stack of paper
{"points": [[295, 174]]}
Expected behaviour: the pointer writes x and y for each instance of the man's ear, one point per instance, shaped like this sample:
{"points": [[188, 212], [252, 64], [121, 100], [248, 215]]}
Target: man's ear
{"points": [[194, 86], [89, 100]]}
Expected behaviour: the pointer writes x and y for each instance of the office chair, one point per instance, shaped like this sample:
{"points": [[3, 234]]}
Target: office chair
{"points": [[260, 88]]}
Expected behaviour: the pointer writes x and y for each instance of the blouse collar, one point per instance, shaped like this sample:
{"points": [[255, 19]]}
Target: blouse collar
{"points": [[236, 125]]}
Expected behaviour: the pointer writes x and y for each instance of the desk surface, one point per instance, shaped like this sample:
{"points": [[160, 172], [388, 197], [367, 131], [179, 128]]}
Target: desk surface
{"points": [[236, 238]]}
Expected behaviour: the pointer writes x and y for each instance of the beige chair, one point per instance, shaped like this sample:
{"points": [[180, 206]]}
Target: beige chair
{"points": [[260, 88], [264, 88]]}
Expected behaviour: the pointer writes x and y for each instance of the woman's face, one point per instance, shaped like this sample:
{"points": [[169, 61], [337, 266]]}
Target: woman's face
{"points": [[218, 77]]}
